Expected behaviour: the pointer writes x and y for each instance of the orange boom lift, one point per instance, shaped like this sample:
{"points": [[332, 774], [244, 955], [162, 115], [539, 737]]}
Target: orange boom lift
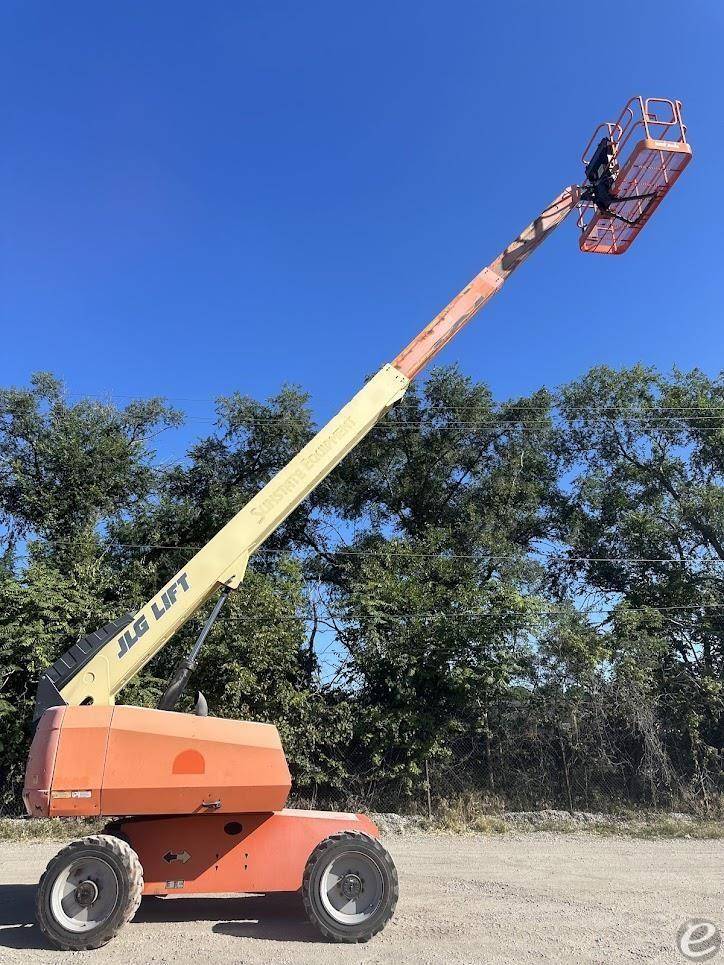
{"points": [[198, 802]]}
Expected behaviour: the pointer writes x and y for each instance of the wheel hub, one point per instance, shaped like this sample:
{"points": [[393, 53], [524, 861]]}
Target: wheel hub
{"points": [[351, 885], [86, 893]]}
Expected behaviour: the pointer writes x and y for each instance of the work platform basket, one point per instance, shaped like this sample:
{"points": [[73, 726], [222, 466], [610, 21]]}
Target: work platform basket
{"points": [[641, 156]]}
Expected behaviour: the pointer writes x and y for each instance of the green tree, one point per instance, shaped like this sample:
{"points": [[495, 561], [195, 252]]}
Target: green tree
{"points": [[526, 603], [643, 514], [436, 599], [65, 471]]}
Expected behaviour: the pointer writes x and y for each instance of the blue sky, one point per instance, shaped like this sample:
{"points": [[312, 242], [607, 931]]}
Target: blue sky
{"points": [[198, 198]]}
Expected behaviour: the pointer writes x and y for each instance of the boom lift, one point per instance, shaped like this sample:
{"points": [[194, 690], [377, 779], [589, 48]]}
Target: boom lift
{"points": [[198, 802]]}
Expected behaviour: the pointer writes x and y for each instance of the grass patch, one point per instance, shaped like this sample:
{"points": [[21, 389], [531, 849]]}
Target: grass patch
{"points": [[470, 812], [663, 826], [49, 829], [562, 825], [481, 824], [462, 816], [480, 813]]}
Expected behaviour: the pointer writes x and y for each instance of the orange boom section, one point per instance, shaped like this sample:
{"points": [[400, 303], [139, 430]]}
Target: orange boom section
{"points": [[133, 760], [634, 161]]}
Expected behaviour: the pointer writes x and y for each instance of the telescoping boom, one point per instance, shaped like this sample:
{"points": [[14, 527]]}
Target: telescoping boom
{"points": [[99, 666], [616, 200]]}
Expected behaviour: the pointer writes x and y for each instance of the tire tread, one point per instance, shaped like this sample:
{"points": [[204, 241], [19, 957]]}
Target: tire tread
{"points": [[132, 866], [317, 855]]}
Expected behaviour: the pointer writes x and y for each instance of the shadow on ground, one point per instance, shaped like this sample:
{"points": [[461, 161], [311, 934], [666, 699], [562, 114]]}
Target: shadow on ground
{"points": [[17, 918], [276, 917]]}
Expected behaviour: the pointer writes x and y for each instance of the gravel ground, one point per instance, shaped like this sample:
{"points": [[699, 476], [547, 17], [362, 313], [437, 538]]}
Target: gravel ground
{"points": [[515, 898]]}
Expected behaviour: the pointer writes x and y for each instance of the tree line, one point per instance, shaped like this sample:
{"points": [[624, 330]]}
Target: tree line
{"points": [[520, 600]]}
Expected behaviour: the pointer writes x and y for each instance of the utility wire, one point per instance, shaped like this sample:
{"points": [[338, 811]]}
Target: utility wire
{"points": [[454, 614], [404, 554], [508, 420], [98, 397]]}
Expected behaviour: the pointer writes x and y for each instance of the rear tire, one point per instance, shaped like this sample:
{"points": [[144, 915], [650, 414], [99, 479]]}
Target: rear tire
{"points": [[88, 892], [350, 887]]}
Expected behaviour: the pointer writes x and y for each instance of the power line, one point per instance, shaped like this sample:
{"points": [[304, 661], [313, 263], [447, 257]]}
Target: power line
{"points": [[650, 416], [455, 614], [393, 423], [100, 397], [525, 555]]}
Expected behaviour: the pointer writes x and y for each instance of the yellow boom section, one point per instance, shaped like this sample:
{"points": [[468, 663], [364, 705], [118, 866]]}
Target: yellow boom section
{"points": [[222, 561]]}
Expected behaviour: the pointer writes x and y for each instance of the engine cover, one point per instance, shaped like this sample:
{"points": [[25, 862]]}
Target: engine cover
{"points": [[137, 761]]}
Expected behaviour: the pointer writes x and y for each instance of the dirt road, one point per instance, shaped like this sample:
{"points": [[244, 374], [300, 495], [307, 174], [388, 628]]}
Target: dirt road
{"points": [[514, 898]]}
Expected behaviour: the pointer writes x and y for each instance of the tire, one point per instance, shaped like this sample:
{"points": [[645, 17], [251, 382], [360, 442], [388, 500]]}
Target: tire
{"points": [[88, 892], [350, 887]]}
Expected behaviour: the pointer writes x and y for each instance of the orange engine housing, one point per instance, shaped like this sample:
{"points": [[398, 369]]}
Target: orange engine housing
{"points": [[136, 761]]}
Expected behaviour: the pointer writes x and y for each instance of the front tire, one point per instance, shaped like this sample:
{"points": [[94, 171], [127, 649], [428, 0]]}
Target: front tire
{"points": [[350, 887], [88, 892]]}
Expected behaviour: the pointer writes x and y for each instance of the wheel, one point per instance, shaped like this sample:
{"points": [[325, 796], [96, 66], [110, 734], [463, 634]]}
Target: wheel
{"points": [[350, 887], [88, 891]]}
